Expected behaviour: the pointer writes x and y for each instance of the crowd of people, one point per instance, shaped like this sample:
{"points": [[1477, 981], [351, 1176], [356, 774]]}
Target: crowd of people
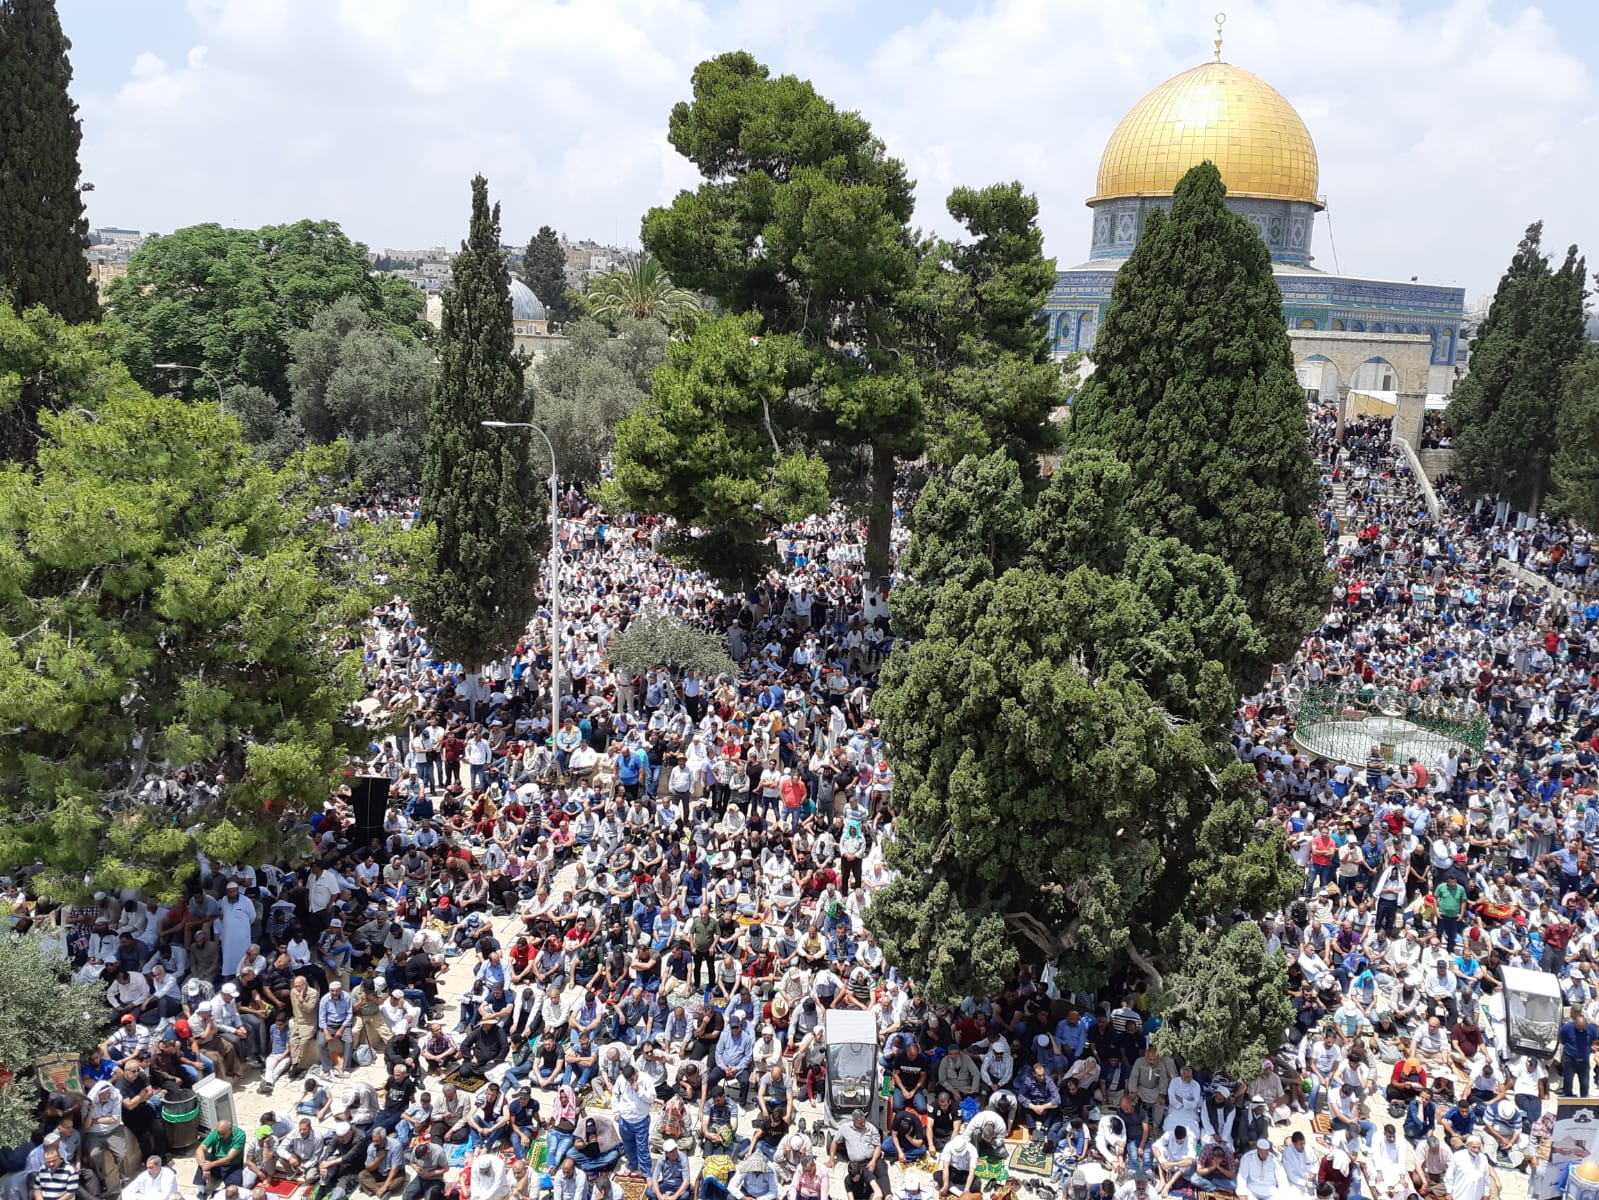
{"points": [[593, 951]]}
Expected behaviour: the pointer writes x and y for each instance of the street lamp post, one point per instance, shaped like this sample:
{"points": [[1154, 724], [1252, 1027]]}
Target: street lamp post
{"points": [[554, 571], [206, 371]]}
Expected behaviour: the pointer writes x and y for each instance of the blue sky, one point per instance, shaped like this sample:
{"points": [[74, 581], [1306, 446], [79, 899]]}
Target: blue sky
{"points": [[1443, 128]]}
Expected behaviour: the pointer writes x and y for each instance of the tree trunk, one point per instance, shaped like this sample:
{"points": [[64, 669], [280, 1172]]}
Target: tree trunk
{"points": [[880, 515]]}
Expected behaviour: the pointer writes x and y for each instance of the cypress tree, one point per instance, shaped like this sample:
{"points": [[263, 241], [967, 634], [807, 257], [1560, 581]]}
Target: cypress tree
{"points": [[1194, 389], [476, 594], [1505, 413], [544, 271], [43, 232]]}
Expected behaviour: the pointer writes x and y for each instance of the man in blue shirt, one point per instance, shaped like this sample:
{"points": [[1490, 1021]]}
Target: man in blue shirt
{"points": [[1576, 1054], [333, 1027], [630, 769], [1071, 1034], [735, 1050]]}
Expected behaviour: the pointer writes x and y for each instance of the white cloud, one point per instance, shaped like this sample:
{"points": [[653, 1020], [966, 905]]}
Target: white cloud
{"points": [[1441, 133]]}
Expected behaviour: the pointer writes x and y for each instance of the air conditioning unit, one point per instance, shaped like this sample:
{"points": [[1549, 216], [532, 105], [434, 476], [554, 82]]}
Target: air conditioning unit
{"points": [[216, 1102]]}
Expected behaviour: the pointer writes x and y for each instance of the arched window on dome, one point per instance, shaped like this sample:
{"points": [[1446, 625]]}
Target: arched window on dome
{"points": [[1338, 326], [1307, 323]]}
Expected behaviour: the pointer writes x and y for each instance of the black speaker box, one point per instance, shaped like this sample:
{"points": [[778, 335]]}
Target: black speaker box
{"points": [[369, 797]]}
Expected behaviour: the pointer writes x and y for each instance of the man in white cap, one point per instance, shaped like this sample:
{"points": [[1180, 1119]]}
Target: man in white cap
{"points": [[234, 922], [1268, 1085], [1260, 1174], [957, 1167], [343, 1158], [334, 1016], [671, 1179]]}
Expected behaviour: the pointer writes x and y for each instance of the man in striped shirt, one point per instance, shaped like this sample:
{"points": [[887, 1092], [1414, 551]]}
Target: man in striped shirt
{"points": [[57, 1179]]}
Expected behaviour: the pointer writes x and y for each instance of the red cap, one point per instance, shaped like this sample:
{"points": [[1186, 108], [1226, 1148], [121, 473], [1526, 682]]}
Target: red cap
{"points": [[127, 1018], [182, 1028]]}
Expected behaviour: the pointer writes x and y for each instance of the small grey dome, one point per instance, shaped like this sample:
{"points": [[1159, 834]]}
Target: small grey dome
{"points": [[525, 306]]}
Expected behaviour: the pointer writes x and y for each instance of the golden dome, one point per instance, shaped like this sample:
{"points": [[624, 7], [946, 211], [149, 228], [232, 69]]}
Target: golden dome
{"points": [[1587, 1170], [1218, 112]]}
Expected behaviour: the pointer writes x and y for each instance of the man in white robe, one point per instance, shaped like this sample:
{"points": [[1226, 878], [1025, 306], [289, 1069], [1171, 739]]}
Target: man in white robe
{"points": [[1261, 1175], [234, 922]]}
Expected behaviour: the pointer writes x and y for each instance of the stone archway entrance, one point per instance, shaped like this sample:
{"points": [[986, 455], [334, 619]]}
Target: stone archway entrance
{"points": [[1406, 356]]}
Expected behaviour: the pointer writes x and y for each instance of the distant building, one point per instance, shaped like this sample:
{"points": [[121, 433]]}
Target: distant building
{"points": [[528, 317], [1346, 328], [530, 324], [103, 272]]}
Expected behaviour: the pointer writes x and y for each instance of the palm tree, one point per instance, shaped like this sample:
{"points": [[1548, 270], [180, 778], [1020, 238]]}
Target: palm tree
{"points": [[641, 289]]}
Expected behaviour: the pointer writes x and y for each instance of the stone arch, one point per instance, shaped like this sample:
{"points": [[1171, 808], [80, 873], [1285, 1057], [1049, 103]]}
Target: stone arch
{"points": [[1376, 374], [1409, 356], [1318, 374]]}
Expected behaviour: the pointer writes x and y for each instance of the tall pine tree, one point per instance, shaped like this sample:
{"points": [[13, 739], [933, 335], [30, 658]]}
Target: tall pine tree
{"points": [[43, 232], [544, 270], [1505, 412], [476, 595], [1194, 389]]}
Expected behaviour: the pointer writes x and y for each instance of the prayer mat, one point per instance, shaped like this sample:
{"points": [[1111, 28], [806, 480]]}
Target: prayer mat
{"points": [[283, 1187], [1032, 1158], [992, 1170], [466, 1083], [632, 1185]]}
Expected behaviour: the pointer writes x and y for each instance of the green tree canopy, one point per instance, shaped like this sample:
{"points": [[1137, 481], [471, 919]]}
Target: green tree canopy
{"points": [[168, 602], [544, 271], [352, 380], [705, 447], [977, 330], [1576, 465], [917, 345], [653, 640], [1506, 411], [1059, 732], [802, 219], [1194, 389], [478, 488], [641, 290], [1225, 1004], [230, 300], [583, 389], [46, 1012]]}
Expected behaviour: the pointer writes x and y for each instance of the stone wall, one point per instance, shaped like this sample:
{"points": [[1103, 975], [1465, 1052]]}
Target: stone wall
{"points": [[1436, 463]]}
